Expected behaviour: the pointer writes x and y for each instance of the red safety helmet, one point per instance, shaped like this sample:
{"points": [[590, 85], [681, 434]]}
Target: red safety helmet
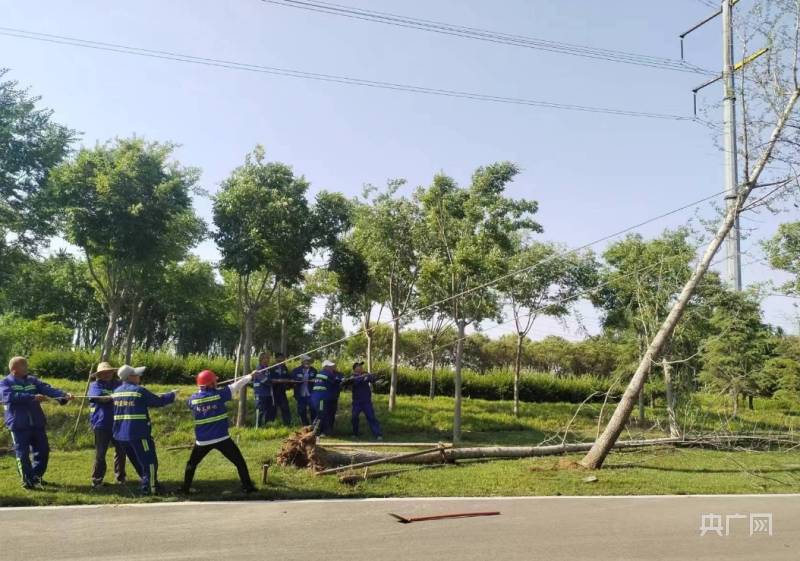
{"points": [[206, 378]]}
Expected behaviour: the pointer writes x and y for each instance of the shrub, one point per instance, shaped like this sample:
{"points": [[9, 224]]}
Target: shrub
{"points": [[496, 384], [20, 336], [161, 367]]}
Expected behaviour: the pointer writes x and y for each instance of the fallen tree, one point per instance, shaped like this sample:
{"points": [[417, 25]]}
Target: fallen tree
{"points": [[302, 450]]}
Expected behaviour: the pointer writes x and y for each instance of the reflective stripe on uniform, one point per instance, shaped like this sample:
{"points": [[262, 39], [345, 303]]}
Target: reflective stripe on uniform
{"points": [[206, 399], [319, 388], [139, 417], [145, 445], [19, 461], [126, 394], [211, 419]]}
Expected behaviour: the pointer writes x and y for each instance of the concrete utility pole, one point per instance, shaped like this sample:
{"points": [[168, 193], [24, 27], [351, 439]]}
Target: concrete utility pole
{"points": [[729, 69], [733, 242]]}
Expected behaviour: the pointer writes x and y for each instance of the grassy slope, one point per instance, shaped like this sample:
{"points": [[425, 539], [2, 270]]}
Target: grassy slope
{"points": [[653, 471]]}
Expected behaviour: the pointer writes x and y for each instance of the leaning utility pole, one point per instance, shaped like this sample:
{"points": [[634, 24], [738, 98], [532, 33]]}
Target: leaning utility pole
{"points": [[732, 244]]}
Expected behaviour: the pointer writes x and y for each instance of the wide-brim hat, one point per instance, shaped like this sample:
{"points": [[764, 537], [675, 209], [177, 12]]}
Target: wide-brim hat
{"points": [[305, 358], [328, 363], [104, 367], [357, 364]]}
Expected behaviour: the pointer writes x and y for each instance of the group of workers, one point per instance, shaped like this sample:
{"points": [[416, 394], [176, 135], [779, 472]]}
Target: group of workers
{"points": [[119, 415], [316, 393]]}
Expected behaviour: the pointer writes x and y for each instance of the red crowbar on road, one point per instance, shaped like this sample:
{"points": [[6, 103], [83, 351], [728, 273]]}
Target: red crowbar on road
{"points": [[410, 519]]}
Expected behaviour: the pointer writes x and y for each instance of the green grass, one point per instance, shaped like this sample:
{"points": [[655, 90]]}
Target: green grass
{"points": [[651, 471]]}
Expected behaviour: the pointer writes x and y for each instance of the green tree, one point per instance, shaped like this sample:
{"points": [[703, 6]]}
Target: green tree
{"points": [[281, 325], [127, 206], [639, 283], [466, 237], [356, 290], [58, 287], [193, 305], [780, 374], [783, 253], [549, 281], [20, 336], [264, 231], [31, 144], [386, 235], [735, 354]]}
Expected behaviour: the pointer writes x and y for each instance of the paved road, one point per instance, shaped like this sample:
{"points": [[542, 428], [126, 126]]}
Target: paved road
{"points": [[546, 528]]}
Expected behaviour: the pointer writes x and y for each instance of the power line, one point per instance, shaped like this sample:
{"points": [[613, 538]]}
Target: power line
{"points": [[489, 36], [287, 72], [708, 4]]}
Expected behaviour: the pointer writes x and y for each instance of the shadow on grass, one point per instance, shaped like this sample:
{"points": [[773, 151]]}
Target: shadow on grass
{"points": [[699, 470]]}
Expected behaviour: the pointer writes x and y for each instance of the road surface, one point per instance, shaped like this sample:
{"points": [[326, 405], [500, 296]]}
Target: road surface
{"points": [[547, 528]]}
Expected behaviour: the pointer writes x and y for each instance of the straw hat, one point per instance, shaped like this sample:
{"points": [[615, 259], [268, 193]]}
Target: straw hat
{"points": [[104, 367]]}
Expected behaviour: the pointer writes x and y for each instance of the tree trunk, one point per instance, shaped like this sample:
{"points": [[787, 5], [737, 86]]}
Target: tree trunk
{"points": [[108, 340], [395, 358], [517, 368], [238, 355], [462, 328], [674, 429], [249, 326], [432, 390], [368, 335], [137, 309], [602, 446], [735, 396], [750, 402], [284, 336], [334, 458], [641, 406]]}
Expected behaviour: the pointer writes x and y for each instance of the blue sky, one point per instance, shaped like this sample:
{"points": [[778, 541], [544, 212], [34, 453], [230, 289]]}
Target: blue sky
{"points": [[592, 174]]}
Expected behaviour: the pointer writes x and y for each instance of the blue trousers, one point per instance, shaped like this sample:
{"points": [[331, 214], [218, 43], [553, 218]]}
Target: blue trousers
{"points": [[366, 408], [144, 450], [33, 452], [282, 404], [304, 410], [265, 410], [325, 411]]}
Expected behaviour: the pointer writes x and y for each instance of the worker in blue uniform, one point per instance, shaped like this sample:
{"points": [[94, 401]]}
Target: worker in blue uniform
{"points": [[303, 376], [362, 400], [101, 419], [325, 396], [281, 378], [132, 423], [262, 388], [22, 395], [211, 427]]}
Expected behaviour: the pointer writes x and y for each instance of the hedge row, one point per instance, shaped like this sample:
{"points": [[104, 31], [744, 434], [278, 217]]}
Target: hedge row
{"points": [[495, 385], [162, 368]]}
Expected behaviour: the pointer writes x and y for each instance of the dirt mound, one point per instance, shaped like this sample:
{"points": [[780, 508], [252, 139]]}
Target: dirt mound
{"points": [[300, 450]]}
